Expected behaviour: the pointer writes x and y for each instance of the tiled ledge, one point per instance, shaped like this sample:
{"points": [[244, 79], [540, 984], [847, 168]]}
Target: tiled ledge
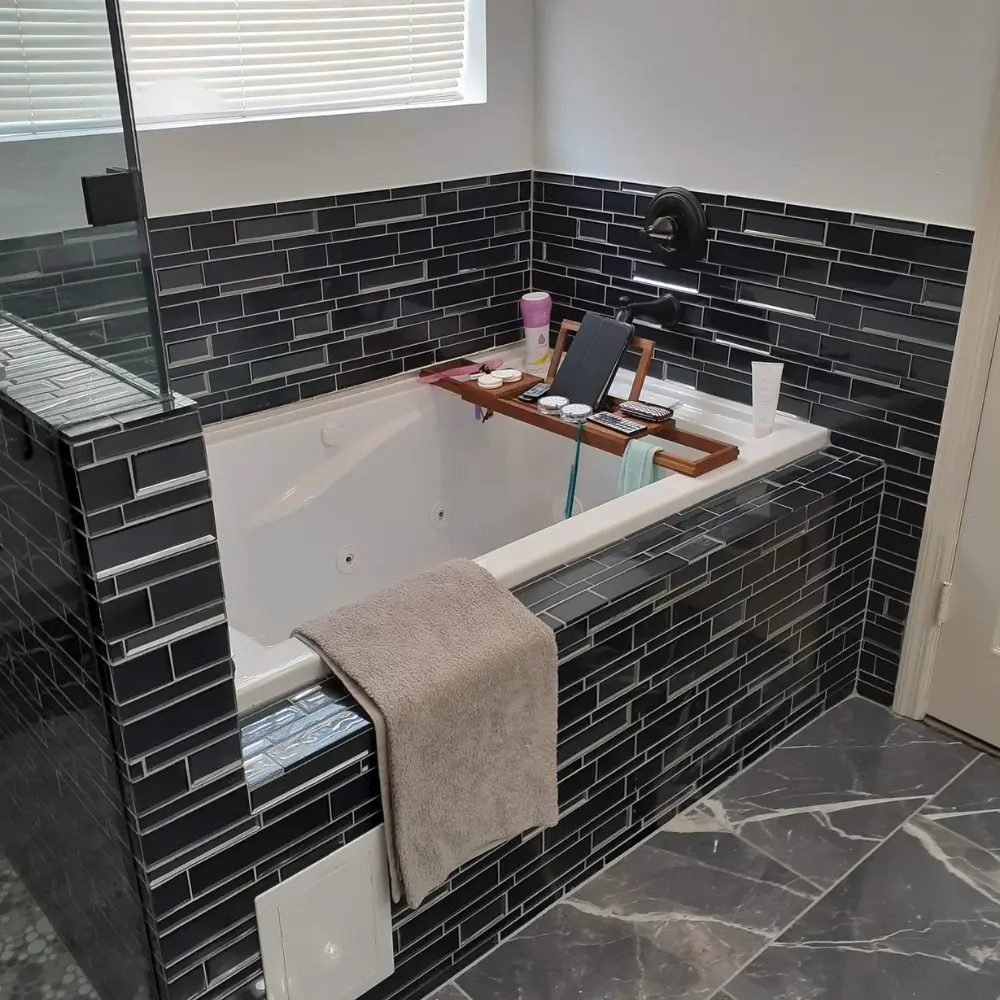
{"points": [[303, 739], [66, 389]]}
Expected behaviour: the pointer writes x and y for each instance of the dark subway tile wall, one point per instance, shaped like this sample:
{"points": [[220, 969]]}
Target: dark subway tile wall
{"points": [[286, 302], [86, 286], [863, 311]]}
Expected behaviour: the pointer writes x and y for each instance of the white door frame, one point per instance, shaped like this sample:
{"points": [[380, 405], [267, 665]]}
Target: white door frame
{"points": [[974, 352]]}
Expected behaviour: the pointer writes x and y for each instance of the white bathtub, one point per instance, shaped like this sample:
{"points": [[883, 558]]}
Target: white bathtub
{"points": [[320, 504]]}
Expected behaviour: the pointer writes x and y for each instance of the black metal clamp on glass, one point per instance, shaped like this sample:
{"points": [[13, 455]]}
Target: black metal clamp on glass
{"points": [[109, 198]]}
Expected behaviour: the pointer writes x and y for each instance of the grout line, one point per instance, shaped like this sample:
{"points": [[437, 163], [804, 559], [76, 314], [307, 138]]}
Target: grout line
{"points": [[871, 582], [531, 233], [719, 991]]}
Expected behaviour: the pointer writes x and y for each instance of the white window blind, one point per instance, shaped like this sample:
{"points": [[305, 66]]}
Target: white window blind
{"points": [[197, 59], [56, 71]]}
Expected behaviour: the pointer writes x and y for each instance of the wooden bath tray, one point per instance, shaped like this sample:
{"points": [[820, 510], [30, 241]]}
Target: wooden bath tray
{"points": [[505, 402]]}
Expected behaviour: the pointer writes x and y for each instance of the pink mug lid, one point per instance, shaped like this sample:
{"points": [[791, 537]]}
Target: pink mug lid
{"points": [[536, 309]]}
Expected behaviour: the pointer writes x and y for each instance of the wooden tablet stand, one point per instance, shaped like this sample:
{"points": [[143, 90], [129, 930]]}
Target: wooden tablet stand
{"points": [[504, 401]]}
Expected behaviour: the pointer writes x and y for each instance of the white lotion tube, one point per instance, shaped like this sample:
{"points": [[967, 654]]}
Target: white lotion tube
{"points": [[766, 389]]}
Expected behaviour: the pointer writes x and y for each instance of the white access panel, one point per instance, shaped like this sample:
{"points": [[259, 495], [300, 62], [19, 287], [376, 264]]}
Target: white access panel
{"points": [[326, 932]]}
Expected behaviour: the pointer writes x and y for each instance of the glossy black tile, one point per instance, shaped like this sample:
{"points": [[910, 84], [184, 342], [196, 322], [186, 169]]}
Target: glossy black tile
{"points": [[777, 299], [923, 250], [140, 675], [365, 248], [106, 485], [216, 234], [909, 327], [577, 197], [784, 226], [746, 258], [187, 715], [464, 232], [152, 468], [888, 283], [490, 196], [750, 327]]}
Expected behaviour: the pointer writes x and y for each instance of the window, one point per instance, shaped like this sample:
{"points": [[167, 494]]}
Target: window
{"points": [[56, 72], [192, 59], [212, 60]]}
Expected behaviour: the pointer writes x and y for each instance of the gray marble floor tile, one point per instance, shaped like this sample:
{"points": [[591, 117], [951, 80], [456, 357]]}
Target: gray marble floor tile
{"points": [[829, 795], [970, 805], [820, 843], [675, 918], [973, 864], [449, 992], [905, 924]]}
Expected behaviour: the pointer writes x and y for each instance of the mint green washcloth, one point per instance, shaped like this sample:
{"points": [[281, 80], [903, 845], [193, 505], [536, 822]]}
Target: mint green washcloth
{"points": [[637, 469]]}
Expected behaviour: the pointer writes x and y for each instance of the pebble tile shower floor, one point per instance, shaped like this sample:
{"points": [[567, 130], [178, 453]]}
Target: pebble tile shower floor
{"points": [[34, 963], [860, 859]]}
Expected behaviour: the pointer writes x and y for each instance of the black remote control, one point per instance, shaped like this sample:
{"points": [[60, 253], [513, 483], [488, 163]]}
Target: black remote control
{"points": [[535, 393]]}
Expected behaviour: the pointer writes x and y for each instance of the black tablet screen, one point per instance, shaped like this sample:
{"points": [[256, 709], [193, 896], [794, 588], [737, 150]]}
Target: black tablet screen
{"points": [[589, 367]]}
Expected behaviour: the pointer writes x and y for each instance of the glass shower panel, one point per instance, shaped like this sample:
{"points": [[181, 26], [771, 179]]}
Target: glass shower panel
{"points": [[74, 258]]}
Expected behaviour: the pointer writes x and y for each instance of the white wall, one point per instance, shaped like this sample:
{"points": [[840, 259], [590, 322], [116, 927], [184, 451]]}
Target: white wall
{"points": [[878, 106], [246, 163], [40, 188]]}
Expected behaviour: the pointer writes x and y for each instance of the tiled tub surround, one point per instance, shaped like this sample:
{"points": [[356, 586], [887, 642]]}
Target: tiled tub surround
{"points": [[206, 841], [86, 286], [863, 312], [686, 651], [62, 826], [271, 304], [682, 658]]}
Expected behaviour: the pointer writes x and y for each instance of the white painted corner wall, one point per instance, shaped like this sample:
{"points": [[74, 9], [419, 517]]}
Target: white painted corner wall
{"points": [[199, 168], [870, 107], [877, 107]]}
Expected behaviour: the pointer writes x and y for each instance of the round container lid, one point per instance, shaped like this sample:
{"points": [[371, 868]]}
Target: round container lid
{"points": [[508, 375], [552, 404], [576, 413], [489, 382]]}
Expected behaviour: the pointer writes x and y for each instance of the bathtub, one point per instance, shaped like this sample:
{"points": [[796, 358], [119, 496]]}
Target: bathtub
{"points": [[320, 504]]}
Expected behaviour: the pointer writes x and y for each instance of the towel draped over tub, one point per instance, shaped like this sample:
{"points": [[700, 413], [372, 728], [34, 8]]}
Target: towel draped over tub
{"points": [[459, 679]]}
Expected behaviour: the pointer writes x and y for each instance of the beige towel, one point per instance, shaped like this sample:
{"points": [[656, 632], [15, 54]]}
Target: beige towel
{"points": [[459, 679]]}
